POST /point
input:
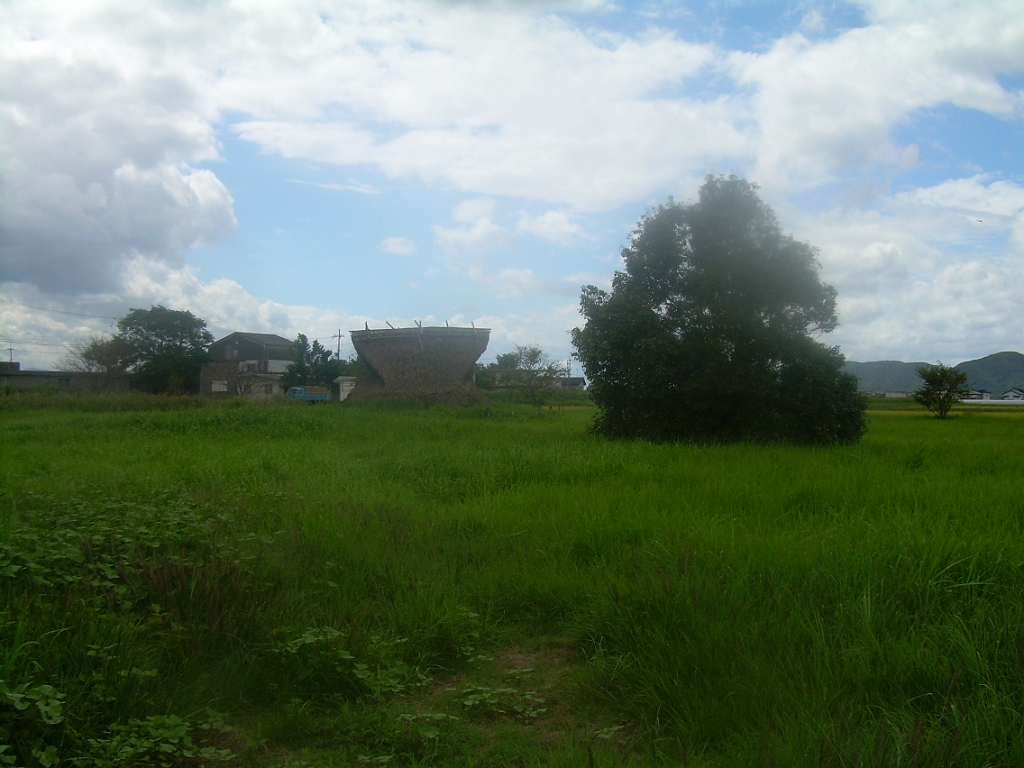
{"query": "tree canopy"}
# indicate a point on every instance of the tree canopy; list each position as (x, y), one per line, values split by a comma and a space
(164, 348)
(527, 368)
(709, 331)
(101, 354)
(533, 372)
(315, 365)
(941, 389)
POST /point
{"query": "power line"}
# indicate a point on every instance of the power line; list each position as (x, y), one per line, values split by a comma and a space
(62, 312)
(35, 342)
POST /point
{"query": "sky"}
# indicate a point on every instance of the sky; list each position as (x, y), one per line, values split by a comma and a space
(316, 166)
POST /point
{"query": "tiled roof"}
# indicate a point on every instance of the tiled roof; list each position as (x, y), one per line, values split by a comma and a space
(270, 339)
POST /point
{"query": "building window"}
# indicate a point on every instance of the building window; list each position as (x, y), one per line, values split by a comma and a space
(268, 389)
(63, 381)
(218, 386)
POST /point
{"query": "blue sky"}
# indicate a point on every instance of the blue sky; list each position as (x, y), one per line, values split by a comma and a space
(315, 165)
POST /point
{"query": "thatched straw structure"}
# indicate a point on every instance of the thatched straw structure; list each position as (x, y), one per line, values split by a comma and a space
(431, 365)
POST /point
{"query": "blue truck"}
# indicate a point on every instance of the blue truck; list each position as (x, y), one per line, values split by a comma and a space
(308, 394)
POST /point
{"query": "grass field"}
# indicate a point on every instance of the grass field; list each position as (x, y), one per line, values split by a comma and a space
(290, 585)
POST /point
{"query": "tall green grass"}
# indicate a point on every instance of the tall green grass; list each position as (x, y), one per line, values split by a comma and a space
(304, 571)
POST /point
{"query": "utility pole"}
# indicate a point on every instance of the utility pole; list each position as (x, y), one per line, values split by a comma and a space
(338, 337)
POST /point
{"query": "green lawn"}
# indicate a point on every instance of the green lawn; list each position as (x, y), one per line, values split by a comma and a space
(346, 585)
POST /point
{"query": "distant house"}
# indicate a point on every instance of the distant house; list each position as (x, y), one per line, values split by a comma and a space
(570, 382)
(11, 375)
(1014, 394)
(978, 394)
(247, 365)
(513, 377)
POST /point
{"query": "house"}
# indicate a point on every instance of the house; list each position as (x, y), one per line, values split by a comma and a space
(1014, 394)
(978, 394)
(247, 365)
(514, 377)
(570, 382)
(11, 375)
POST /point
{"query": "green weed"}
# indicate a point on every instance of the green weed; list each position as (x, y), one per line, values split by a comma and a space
(342, 584)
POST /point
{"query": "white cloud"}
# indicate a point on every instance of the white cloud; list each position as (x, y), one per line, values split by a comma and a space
(985, 211)
(509, 283)
(479, 238)
(492, 99)
(824, 106)
(921, 278)
(66, 238)
(110, 108)
(549, 328)
(1002, 199)
(478, 234)
(550, 225)
(100, 142)
(967, 310)
(812, 22)
(471, 211)
(398, 245)
(352, 186)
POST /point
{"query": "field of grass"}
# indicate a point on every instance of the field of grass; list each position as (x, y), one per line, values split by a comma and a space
(343, 585)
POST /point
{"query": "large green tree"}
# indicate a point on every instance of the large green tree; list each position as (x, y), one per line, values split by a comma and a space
(709, 332)
(164, 348)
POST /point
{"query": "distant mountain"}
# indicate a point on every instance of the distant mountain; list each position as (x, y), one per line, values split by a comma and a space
(886, 375)
(994, 373)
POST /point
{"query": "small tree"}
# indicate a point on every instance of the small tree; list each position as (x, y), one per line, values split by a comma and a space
(101, 354)
(533, 371)
(943, 387)
(487, 376)
(314, 365)
(509, 361)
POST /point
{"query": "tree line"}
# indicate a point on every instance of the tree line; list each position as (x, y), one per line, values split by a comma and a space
(164, 350)
(710, 332)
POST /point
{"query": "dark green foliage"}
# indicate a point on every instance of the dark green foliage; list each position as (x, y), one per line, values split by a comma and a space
(508, 361)
(707, 334)
(943, 387)
(314, 365)
(165, 349)
(533, 372)
(501, 370)
(528, 370)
